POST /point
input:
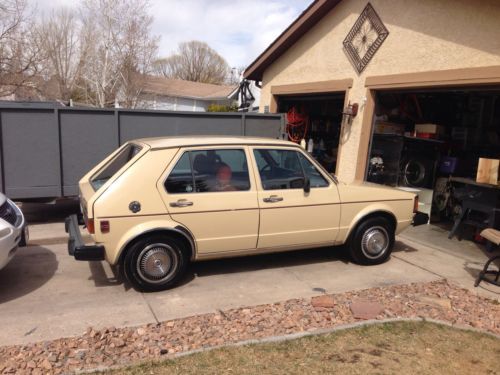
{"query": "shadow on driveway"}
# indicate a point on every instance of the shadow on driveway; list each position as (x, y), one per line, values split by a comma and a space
(31, 268)
(242, 264)
(269, 261)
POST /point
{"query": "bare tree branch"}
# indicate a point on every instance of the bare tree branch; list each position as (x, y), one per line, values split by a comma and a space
(64, 52)
(19, 56)
(121, 49)
(194, 61)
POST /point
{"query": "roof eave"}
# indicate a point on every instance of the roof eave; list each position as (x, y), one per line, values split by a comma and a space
(308, 18)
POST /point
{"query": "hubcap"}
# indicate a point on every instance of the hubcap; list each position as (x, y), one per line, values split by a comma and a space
(157, 263)
(375, 242)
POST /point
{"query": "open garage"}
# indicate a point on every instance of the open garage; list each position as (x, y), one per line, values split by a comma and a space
(421, 108)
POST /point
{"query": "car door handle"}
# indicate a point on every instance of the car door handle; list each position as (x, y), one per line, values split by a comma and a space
(181, 203)
(273, 199)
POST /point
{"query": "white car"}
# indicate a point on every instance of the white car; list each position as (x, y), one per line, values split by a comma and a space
(13, 230)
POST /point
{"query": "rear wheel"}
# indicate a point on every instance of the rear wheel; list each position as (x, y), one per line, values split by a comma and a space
(155, 263)
(372, 241)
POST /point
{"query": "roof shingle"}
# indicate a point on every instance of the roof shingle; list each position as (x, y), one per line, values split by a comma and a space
(185, 89)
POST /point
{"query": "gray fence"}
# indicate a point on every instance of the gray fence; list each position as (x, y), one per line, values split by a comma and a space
(45, 150)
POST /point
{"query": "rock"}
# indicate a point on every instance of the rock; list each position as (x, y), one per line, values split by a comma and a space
(46, 364)
(444, 303)
(323, 301)
(31, 364)
(73, 362)
(170, 324)
(141, 331)
(364, 309)
(119, 343)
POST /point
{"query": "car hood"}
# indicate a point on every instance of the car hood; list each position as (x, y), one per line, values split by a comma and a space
(361, 191)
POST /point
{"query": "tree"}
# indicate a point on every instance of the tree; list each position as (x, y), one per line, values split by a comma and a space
(194, 61)
(64, 51)
(19, 57)
(120, 49)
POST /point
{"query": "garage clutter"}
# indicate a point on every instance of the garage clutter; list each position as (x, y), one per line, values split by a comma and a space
(442, 144)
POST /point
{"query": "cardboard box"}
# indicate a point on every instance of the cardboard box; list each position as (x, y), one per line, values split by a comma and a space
(438, 130)
(383, 127)
(487, 171)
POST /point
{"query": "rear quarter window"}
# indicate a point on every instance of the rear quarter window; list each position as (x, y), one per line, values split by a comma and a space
(114, 165)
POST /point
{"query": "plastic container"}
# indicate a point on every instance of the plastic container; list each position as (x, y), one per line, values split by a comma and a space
(448, 165)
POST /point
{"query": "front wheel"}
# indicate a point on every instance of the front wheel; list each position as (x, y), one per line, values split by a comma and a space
(372, 241)
(155, 263)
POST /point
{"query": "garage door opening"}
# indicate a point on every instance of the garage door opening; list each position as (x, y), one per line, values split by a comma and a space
(316, 119)
(430, 142)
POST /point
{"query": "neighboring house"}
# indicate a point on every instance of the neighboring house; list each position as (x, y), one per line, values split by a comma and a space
(179, 95)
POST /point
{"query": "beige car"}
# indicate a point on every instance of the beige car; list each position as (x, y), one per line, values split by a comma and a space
(155, 205)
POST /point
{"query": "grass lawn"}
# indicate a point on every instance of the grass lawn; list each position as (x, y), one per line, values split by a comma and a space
(392, 348)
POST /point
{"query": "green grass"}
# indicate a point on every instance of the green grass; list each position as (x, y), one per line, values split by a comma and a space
(391, 348)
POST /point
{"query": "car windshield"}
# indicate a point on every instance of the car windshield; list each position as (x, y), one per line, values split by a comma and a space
(114, 165)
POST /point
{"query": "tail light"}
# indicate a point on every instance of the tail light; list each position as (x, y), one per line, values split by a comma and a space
(90, 226)
(415, 204)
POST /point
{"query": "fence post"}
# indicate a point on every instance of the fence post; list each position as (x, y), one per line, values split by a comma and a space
(117, 119)
(243, 124)
(59, 134)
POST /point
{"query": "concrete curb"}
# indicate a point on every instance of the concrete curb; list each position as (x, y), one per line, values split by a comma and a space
(292, 336)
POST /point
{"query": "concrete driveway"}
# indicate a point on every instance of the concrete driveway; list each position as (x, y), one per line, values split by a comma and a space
(45, 294)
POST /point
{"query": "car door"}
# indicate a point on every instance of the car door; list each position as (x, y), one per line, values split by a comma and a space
(290, 216)
(212, 192)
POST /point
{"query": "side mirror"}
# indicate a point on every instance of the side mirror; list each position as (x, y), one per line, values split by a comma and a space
(307, 185)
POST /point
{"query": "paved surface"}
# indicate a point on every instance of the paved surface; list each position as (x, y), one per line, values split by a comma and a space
(45, 294)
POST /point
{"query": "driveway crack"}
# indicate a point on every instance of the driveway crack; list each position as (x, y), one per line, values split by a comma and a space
(150, 308)
(416, 265)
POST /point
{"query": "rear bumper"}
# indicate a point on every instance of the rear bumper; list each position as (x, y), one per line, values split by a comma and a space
(76, 246)
(420, 218)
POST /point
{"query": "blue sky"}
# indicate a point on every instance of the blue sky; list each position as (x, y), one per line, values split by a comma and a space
(239, 30)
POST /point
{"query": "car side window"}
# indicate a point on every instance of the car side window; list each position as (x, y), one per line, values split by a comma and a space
(315, 177)
(279, 169)
(209, 171)
(180, 179)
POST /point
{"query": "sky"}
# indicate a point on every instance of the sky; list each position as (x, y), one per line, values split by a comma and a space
(238, 30)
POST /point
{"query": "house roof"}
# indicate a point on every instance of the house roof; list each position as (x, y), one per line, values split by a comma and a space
(307, 19)
(185, 89)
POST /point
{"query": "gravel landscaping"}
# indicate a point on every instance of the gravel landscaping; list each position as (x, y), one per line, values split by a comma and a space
(112, 346)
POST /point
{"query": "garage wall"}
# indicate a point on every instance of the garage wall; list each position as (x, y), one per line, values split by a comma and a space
(424, 35)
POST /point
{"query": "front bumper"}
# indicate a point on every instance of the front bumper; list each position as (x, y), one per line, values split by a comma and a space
(9, 242)
(420, 218)
(76, 246)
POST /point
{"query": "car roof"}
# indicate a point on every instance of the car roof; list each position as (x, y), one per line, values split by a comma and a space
(185, 141)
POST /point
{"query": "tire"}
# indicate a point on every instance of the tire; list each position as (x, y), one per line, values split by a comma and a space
(23, 242)
(372, 241)
(145, 261)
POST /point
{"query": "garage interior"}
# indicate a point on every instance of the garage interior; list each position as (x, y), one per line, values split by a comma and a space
(316, 119)
(430, 141)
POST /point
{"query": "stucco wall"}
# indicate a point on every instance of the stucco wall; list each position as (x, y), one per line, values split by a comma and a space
(424, 35)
